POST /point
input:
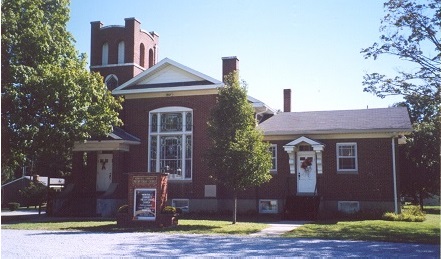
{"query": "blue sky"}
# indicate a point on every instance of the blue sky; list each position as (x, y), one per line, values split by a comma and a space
(311, 47)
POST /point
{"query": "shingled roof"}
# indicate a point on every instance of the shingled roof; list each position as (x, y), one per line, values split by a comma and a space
(394, 119)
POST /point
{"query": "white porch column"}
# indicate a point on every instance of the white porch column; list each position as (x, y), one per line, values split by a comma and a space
(318, 151)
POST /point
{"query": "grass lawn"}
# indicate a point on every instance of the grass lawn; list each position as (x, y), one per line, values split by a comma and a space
(374, 230)
(186, 226)
(427, 231)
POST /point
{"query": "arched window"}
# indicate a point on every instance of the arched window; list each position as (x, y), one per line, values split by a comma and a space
(151, 58)
(111, 82)
(170, 145)
(141, 55)
(105, 54)
(121, 52)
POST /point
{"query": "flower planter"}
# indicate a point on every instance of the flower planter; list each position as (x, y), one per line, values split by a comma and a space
(168, 220)
(122, 219)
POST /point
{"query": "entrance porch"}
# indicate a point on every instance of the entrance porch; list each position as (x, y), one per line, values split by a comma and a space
(305, 161)
(98, 185)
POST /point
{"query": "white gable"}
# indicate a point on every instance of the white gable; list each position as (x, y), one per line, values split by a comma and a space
(315, 144)
(169, 74)
(166, 76)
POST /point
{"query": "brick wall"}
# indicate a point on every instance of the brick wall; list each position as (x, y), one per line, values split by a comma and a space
(137, 123)
(374, 180)
(133, 37)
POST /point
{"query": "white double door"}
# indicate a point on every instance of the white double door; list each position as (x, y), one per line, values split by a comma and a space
(306, 172)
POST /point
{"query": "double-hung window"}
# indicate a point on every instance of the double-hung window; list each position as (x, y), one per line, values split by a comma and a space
(273, 151)
(347, 157)
(170, 145)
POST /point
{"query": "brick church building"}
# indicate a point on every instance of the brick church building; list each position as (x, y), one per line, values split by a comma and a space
(343, 160)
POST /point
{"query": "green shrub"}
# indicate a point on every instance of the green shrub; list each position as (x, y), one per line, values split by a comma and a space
(410, 214)
(13, 206)
(35, 194)
(123, 209)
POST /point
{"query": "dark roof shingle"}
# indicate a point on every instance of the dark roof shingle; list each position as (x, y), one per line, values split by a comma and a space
(338, 121)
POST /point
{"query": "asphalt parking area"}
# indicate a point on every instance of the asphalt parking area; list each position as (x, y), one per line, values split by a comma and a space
(55, 244)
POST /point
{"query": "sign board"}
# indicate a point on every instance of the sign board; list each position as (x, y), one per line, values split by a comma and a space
(144, 204)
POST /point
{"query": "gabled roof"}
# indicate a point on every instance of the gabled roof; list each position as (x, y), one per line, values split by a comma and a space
(394, 119)
(167, 75)
(120, 134)
(259, 106)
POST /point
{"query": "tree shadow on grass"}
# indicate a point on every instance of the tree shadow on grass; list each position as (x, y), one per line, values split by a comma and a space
(114, 228)
(345, 230)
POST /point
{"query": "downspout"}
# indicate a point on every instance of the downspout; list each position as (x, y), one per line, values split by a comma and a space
(394, 173)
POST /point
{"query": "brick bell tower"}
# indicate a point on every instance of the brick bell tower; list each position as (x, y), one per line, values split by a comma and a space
(119, 53)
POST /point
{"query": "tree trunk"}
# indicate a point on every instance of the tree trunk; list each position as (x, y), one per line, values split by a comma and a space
(235, 207)
(421, 201)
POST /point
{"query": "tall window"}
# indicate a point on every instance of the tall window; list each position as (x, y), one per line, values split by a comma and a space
(170, 147)
(141, 55)
(121, 51)
(273, 151)
(151, 58)
(105, 54)
(347, 157)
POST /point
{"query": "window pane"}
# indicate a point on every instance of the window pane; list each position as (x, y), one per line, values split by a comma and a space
(171, 154)
(346, 151)
(188, 121)
(171, 122)
(154, 122)
(273, 157)
(188, 154)
(347, 163)
(187, 169)
(153, 153)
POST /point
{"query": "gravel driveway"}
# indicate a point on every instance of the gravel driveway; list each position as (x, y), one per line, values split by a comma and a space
(73, 244)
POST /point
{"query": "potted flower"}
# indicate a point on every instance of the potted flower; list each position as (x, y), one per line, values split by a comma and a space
(169, 216)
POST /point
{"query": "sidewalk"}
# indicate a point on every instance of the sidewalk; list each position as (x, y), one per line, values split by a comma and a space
(22, 212)
(279, 228)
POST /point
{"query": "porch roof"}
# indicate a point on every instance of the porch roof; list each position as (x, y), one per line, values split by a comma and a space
(117, 140)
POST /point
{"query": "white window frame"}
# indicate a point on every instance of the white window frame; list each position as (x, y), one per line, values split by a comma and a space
(273, 157)
(268, 206)
(355, 156)
(185, 208)
(343, 206)
(183, 134)
(109, 77)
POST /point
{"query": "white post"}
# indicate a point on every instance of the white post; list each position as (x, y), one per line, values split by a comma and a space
(394, 172)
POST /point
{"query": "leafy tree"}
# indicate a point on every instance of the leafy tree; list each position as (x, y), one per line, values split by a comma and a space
(419, 162)
(49, 98)
(410, 32)
(238, 156)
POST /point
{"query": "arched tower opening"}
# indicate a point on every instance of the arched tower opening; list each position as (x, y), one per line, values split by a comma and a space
(121, 50)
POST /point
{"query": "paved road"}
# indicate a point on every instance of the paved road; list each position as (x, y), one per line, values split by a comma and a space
(74, 244)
